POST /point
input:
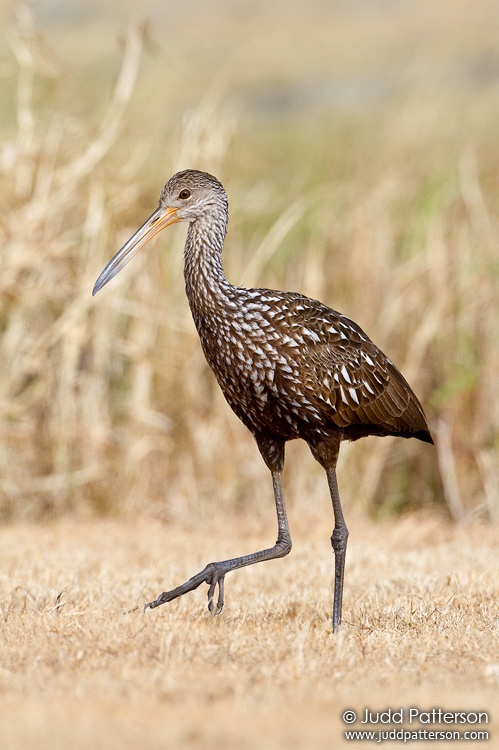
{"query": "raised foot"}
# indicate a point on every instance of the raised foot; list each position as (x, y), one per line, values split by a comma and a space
(213, 575)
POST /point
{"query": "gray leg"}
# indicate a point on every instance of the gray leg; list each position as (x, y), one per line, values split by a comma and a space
(339, 540)
(215, 572)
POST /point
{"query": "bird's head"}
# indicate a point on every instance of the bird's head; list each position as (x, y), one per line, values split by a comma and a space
(187, 196)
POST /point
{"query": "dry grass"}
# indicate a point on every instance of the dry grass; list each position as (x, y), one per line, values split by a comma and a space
(111, 398)
(80, 659)
(383, 208)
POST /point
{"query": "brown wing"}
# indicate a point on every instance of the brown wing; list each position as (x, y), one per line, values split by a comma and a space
(360, 387)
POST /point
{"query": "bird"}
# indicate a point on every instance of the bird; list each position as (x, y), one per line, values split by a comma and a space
(289, 367)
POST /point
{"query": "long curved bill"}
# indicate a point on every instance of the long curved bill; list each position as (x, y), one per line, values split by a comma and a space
(160, 219)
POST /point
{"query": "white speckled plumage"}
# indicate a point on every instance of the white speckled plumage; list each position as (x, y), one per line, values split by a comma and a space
(319, 365)
(289, 366)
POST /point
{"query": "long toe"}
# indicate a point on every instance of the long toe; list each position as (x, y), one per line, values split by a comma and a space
(217, 579)
(220, 602)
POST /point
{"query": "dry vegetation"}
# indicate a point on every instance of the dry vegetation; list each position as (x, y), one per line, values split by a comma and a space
(107, 407)
(80, 659)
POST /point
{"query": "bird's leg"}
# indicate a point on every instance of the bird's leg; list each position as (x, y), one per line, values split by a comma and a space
(339, 540)
(214, 573)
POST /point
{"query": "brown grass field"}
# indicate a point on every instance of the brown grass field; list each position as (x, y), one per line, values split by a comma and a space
(80, 661)
(358, 145)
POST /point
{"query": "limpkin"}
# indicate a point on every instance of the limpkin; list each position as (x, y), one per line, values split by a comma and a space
(289, 367)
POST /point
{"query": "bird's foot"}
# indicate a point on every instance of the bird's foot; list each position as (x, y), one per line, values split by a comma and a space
(211, 592)
(339, 541)
(213, 575)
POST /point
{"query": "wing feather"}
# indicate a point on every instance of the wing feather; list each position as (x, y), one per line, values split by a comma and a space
(357, 383)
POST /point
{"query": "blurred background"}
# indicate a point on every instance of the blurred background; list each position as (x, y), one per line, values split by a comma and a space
(358, 143)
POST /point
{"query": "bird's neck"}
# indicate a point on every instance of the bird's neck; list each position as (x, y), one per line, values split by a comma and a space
(205, 281)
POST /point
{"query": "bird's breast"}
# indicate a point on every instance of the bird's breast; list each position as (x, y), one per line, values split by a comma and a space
(260, 371)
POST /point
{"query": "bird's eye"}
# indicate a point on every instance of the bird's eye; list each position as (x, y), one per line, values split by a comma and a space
(184, 194)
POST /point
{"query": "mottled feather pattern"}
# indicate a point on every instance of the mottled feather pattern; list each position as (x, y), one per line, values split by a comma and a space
(289, 367)
(293, 365)
(288, 364)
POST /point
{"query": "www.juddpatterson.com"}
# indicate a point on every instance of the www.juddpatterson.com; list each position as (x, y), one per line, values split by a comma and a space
(431, 724)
